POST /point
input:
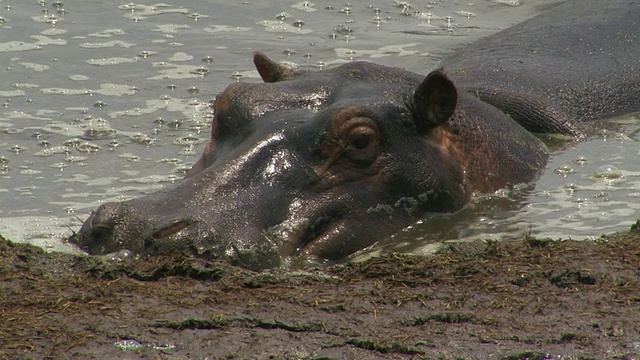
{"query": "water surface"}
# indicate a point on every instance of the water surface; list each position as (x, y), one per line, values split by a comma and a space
(109, 100)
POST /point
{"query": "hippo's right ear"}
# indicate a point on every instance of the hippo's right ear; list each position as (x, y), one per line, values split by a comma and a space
(434, 101)
(270, 71)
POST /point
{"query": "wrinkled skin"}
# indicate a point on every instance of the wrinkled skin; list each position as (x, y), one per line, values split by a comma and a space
(327, 163)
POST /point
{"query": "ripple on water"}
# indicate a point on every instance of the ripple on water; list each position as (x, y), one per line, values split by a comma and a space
(112, 61)
(280, 27)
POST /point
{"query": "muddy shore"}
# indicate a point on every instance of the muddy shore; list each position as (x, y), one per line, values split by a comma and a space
(526, 299)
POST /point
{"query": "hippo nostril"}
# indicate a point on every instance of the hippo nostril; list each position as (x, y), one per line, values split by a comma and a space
(170, 229)
(106, 216)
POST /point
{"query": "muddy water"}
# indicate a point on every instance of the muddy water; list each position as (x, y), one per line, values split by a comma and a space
(109, 100)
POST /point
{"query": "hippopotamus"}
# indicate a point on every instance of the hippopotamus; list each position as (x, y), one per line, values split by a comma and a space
(322, 164)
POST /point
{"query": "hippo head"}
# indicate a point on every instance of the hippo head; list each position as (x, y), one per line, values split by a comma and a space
(317, 164)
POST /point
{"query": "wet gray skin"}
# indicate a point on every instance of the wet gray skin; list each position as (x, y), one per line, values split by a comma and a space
(326, 163)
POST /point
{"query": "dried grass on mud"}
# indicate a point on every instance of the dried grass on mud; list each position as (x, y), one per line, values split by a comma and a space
(528, 299)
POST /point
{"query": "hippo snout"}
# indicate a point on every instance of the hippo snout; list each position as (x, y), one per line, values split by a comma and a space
(155, 225)
(98, 230)
(103, 231)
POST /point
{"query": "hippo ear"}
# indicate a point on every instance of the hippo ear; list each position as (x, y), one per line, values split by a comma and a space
(270, 71)
(434, 101)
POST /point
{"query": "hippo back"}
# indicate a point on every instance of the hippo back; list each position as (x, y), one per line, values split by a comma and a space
(553, 72)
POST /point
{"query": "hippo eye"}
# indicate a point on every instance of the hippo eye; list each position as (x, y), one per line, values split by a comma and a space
(361, 137)
(362, 143)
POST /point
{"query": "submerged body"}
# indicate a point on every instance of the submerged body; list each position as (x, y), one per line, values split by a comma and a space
(327, 163)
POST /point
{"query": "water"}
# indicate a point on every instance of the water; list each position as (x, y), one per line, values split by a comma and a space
(109, 100)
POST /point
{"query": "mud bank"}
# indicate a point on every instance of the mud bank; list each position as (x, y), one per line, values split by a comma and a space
(527, 299)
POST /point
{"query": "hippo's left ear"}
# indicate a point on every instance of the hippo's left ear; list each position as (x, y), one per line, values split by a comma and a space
(270, 71)
(434, 101)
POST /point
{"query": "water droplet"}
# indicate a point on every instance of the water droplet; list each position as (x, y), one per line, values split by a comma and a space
(283, 16)
(88, 147)
(194, 16)
(608, 172)
(53, 151)
(72, 142)
(59, 165)
(144, 139)
(133, 158)
(187, 140)
(571, 188)
(182, 169)
(563, 170)
(580, 160)
(329, 7)
(298, 23)
(145, 54)
(170, 161)
(100, 104)
(508, 2)
(75, 159)
(602, 195)
(346, 10)
(377, 20)
(236, 76)
(289, 52)
(16, 149)
(207, 59)
(343, 30)
(201, 71)
(118, 256)
(466, 14)
(94, 134)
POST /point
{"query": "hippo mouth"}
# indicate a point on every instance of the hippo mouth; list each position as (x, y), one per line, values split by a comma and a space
(308, 236)
(170, 228)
